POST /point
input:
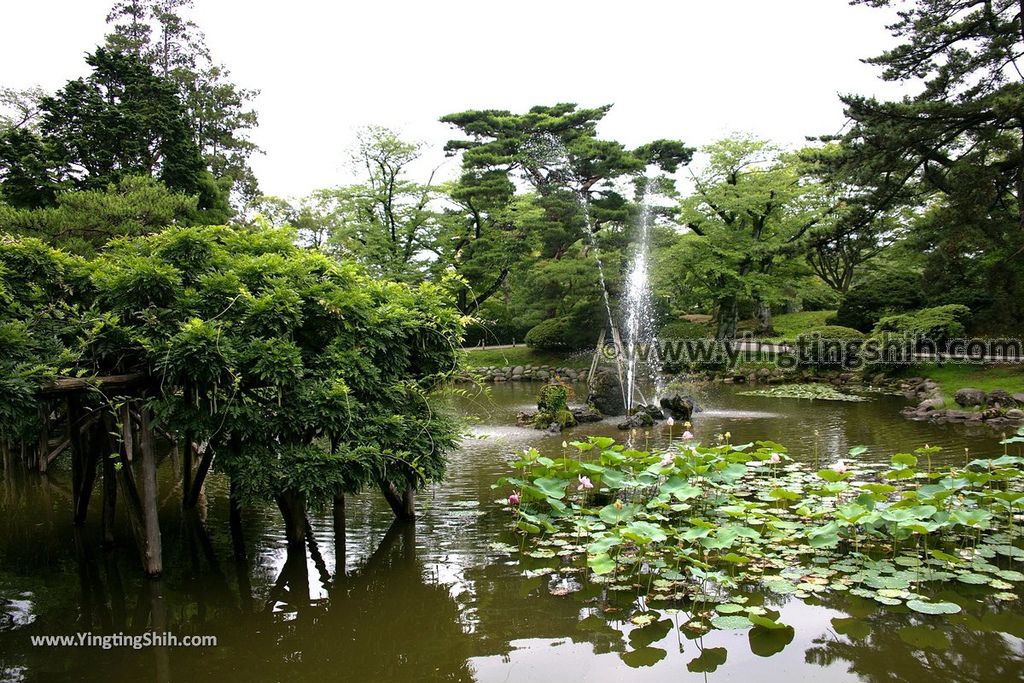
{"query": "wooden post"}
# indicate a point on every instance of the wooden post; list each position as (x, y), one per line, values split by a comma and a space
(109, 499)
(153, 553)
(43, 445)
(129, 492)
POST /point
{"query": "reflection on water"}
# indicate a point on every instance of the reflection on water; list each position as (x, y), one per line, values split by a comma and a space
(367, 600)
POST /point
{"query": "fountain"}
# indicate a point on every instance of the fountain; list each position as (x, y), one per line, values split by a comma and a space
(642, 362)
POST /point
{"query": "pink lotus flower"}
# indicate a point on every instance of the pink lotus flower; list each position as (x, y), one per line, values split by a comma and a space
(513, 500)
(670, 421)
(585, 483)
(838, 466)
(667, 460)
(687, 434)
(775, 459)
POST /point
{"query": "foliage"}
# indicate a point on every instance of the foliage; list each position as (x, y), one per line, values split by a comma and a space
(701, 526)
(938, 324)
(884, 293)
(301, 373)
(951, 150)
(160, 35)
(561, 334)
(820, 392)
(749, 211)
(83, 222)
(40, 323)
(553, 406)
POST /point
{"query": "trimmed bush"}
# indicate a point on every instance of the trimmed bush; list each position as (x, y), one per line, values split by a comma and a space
(879, 296)
(826, 346)
(560, 334)
(939, 324)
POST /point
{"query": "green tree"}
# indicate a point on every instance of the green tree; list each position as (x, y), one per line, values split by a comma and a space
(84, 221)
(748, 214)
(574, 185)
(219, 111)
(957, 145)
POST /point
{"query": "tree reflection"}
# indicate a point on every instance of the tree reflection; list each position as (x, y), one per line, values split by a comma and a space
(895, 646)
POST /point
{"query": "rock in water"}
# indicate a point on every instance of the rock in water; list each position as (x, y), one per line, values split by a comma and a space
(970, 397)
(606, 393)
(679, 406)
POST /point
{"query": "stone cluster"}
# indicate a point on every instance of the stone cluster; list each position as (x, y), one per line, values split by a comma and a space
(524, 373)
(996, 407)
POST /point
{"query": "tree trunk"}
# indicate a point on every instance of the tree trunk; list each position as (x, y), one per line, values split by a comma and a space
(293, 509)
(728, 314)
(340, 541)
(402, 503)
(764, 319)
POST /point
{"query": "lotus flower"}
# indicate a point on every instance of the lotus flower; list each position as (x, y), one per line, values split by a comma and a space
(687, 435)
(775, 459)
(565, 444)
(670, 421)
(667, 460)
(585, 483)
(838, 466)
(513, 500)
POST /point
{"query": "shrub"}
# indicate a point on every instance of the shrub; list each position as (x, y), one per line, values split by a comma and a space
(560, 334)
(683, 329)
(938, 324)
(830, 346)
(881, 295)
(553, 406)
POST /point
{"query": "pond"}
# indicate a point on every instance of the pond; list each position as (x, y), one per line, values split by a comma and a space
(433, 601)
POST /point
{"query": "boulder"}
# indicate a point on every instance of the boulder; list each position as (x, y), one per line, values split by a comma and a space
(586, 414)
(605, 393)
(637, 421)
(1001, 399)
(1015, 414)
(929, 405)
(970, 397)
(679, 406)
(1019, 398)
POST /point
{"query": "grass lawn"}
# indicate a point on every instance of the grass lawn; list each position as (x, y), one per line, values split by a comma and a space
(953, 376)
(523, 355)
(788, 326)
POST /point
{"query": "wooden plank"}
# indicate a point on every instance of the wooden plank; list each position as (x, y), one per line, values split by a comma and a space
(66, 385)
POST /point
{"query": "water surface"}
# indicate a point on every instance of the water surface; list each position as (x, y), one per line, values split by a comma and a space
(432, 601)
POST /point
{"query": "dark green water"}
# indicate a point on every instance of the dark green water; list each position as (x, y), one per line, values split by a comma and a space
(432, 602)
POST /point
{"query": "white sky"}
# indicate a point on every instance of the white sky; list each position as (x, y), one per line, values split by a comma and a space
(694, 70)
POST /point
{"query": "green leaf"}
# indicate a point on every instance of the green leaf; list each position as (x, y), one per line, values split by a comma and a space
(933, 607)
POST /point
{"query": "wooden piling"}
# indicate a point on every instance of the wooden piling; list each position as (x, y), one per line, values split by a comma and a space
(152, 551)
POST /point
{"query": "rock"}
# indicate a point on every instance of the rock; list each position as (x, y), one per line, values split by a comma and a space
(1015, 414)
(991, 414)
(969, 397)
(554, 428)
(518, 370)
(1001, 399)
(1019, 398)
(637, 421)
(605, 393)
(929, 405)
(586, 414)
(679, 406)
(542, 375)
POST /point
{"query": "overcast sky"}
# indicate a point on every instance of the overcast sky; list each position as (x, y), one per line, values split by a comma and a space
(694, 70)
